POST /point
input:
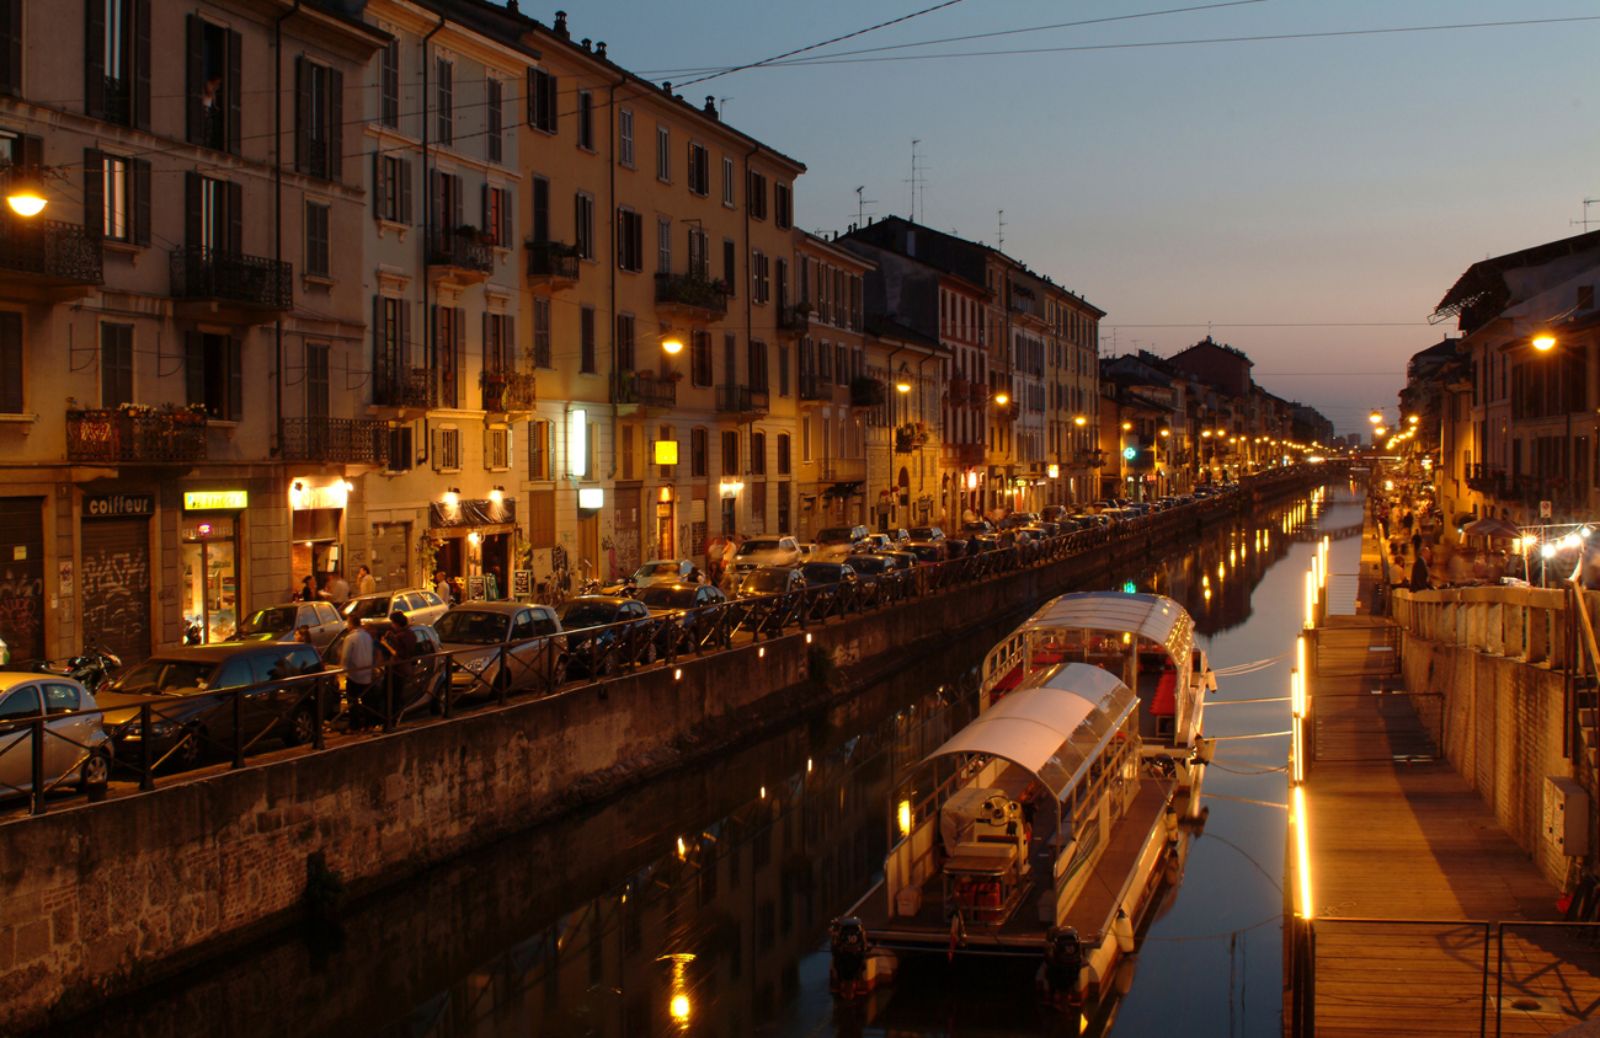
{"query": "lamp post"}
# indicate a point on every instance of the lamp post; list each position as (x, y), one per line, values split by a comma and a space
(25, 196)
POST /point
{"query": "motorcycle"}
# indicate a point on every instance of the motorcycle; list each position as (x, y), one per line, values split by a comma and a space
(90, 670)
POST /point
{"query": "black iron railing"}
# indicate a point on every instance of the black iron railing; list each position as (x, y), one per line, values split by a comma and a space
(253, 281)
(49, 248)
(505, 391)
(742, 400)
(456, 249)
(112, 436)
(552, 260)
(355, 441)
(404, 387)
(795, 318)
(646, 390)
(693, 292)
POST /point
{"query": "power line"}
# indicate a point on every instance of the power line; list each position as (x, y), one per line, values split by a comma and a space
(1278, 324)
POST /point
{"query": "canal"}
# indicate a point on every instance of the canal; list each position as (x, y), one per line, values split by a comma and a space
(698, 904)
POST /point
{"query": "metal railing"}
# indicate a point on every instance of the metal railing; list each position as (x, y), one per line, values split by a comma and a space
(796, 318)
(645, 389)
(403, 387)
(692, 291)
(742, 400)
(113, 436)
(552, 260)
(814, 387)
(50, 249)
(358, 441)
(506, 391)
(235, 724)
(254, 281)
(464, 251)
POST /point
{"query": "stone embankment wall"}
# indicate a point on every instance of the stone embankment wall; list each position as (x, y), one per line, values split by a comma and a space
(1495, 660)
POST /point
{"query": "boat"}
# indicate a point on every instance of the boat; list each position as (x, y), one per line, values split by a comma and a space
(1049, 827)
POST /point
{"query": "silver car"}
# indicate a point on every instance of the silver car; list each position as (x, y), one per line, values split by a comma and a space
(76, 747)
(420, 605)
(663, 571)
(766, 551)
(278, 623)
(497, 646)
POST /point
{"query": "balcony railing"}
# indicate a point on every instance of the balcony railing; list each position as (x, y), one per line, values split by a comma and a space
(115, 436)
(552, 261)
(742, 400)
(404, 387)
(866, 392)
(692, 292)
(507, 391)
(232, 277)
(795, 318)
(646, 390)
(463, 251)
(354, 441)
(51, 249)
(813, 387)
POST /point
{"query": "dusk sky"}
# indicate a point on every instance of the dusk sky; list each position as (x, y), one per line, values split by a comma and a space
(1318, 182)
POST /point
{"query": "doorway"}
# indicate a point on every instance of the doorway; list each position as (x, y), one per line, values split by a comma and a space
(665, 548)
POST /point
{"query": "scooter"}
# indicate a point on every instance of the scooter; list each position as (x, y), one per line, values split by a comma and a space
(90, 670)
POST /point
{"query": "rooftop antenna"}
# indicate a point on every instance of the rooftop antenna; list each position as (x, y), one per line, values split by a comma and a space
(722, 108)
(861, 206)
(1587, 202)
(918, 184)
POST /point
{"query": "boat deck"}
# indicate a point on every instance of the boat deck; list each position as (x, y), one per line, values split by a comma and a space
(1092, 911)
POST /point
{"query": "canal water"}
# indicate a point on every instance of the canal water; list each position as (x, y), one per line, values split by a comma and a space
(699, 903)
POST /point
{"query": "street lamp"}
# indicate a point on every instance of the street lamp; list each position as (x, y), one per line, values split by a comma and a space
(1002, 399)
(1376, 417)
(1544, 343)
(1414, 419)
(902, 380)
(25, 197)
(1080, 421)
(672, 345)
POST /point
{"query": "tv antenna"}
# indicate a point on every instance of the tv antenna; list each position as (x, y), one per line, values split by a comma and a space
(1000, 218)
(861, 206)
(1586, 221)
(722, 108)
(917, 181)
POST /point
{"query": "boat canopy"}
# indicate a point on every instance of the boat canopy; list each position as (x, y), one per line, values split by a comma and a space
(1155, 617)
(1053, 726)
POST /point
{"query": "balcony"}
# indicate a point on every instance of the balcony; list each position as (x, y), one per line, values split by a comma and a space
(405, 389)
(460, 255)
(965, 455)
(743, 401)
(645, 391)
(815, 389)
(349, 441)
(867, 392)
(249, 288)
(49, 253)
(552, 264)
(691, 296)
(795, 319)
(909, 437)
(137, 436)
(507, 392)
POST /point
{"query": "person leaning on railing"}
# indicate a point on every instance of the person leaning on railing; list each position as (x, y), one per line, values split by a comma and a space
(356, 657)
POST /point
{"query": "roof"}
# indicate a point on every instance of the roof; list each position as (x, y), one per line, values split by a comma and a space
(1481, 291)
(1053, 727)
(887, 328)
(1155, 617)
(1208, 341)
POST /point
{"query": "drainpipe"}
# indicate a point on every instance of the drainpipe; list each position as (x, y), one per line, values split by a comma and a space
(277, 214)
(427, 233)
(611, 222)
(749, 302)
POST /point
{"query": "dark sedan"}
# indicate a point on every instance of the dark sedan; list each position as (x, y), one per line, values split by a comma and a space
(836, 582)
(693, 609)
(765, 596)
(605, 632)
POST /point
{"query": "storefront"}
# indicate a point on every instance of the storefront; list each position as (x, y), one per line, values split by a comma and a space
(317, 528)
(475, 540)
(115, 577)
(209, 591)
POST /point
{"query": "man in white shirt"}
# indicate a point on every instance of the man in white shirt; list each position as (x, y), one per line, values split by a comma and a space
(355, 656)
(441, 587)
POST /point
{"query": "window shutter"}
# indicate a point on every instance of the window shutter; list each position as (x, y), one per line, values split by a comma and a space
(94, 205)
(194, 78)
(380, 186)
(383, 366)
(11, 46)
(458, 342)
(302, 114)
(94, 50)
(139, 170)
(484, 223)
(532, 96)
(405, 189)
(235, 241)
(541, 210)
(405, 337)
(235, 378)
(335, 168)
(434, 213)
(32, 153)
(235, 88)
(488, 352)
(505, 218)
(191, 210)
(194, 367)
(458, 209)
(550, 105)
(141, 64)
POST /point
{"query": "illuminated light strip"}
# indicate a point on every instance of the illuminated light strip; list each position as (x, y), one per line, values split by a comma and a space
(1302, 843)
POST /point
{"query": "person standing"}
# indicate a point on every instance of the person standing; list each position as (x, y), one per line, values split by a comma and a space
(366, 584)
(441, 587)
(729, 551)
(714, 549)
(307, 592)
(336, 590)
(356, 657)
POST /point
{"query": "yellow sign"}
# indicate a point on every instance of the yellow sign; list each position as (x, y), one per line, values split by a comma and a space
(216, 500)
(666, 452)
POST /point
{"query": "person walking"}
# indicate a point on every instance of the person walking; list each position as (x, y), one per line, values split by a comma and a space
(356, 657)
(366, 584)
(336, 590)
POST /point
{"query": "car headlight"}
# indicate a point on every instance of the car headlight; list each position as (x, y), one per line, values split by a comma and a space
(158, 729)
(476, 664)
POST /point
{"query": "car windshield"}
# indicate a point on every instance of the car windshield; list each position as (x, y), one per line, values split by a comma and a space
(751, 547)
(587, 614)
(277, 620)
(656, 569)
(667, 597)
(922, 533)
(869, 564)
(471, 627)
(368, 608)
(821, 572)
(169, 677)
(836, 535)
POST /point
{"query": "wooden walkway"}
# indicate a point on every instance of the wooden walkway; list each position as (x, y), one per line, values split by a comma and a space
(1405, 856)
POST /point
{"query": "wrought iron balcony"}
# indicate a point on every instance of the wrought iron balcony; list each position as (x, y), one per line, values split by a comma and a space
(867, 392)
(50, 251)
(909, 437)
(795, 319)
(461, 253)
(508, 391)
(742, 400)
(354, 441)
(645, 389)
(813, 388)
(691, 295)
(144, 436)
(552, 263)
(404, 387)
(251, 283)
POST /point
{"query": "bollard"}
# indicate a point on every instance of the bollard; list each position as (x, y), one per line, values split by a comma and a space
(36, 765)
(147, 778)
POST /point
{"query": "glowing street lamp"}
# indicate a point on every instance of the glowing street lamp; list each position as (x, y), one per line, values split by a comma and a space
(1002, 399)
(1080, 421)
(672, 345)
(1414, 419)
(1544, 343)
(25, 197)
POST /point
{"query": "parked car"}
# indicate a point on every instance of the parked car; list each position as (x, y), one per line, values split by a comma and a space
(604, 632)
(876, 577)
(497, 646)
(976, 527)
(929, 552)
(1054, 513)
(808, 551)
(421, 606)
(927, 533)
(423, 679)
(693, 620)
(278, 623)
(191, 693)
(836, 543)
(766, 551)
(663, 571)
(837, 581)
(76, 747)
(760, 595)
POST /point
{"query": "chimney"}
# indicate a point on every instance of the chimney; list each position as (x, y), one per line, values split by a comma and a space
(511, 5)
(666, 87)
(561, 25)
(586, 43)
(600, 49)
(711, 106)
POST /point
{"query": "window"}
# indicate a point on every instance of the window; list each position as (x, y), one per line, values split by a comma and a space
(496, 448)
(445, 205)
(213, 214)
(391, 193)
(319, 113)
(756, 377)
(783, 454)
(586, 120)
(444, 100)
(493, 98)
(444, 355)
(781, 275)
(783, 369)
(783, 505)
(628, 450)
(213, 85)
(699, 260)
(499, 343)
(665, 433)
(317, 240)
(116, 364)
(664, 244)
(697, 452)
(447, 449)
(400, 455)
(756, 189)
(586, 340)
(116, 196)
(541, 333)
(630, 240)
(699, 170)
(625, 349)
(117, 65)
(316, 380)
(10, 362)
(762, 281)
(542, 100)
(625, 136)
(700, 358)
(389, 85)
(663, 153)
(539, 450)
(782, 205)
(213, 374)
(497, 216)
(11, 47)
(583, 226)
(729, 263)
(758, 454)
(805, 438)
(727, 181)
(730, 453)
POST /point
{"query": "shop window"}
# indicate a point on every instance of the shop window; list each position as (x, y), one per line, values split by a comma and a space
(209, 590)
